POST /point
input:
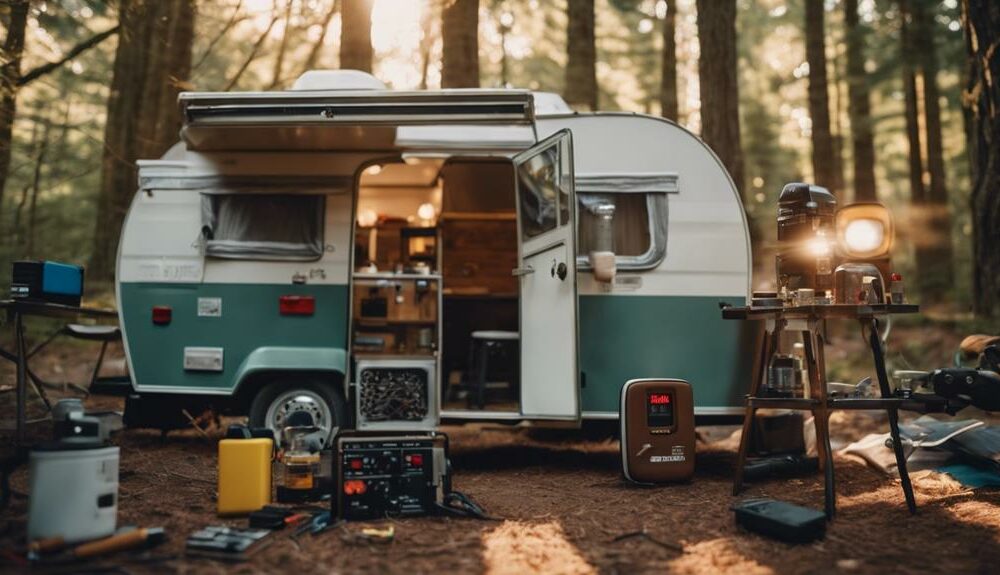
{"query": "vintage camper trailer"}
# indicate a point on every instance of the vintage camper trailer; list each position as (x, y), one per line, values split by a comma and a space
(387, 259)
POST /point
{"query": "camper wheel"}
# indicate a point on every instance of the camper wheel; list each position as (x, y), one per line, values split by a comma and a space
(277, 401)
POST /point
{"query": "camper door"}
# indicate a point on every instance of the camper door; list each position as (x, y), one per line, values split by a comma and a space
(546, 213)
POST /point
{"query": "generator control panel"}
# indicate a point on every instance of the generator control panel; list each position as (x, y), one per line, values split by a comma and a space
(657, 430)
(388, 476)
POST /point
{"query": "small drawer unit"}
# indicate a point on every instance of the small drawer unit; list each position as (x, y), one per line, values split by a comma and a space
(397, 394)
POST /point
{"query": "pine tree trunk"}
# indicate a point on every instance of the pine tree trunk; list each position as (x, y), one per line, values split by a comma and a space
(916, 165)
(356, 35)
(720, 118)
(152, 65)
(668, 67)
(981, 19)
(36, 189)
(580, 91)
(836, 124)
(823, 161)
(927, 275)
(460, 44)
(938, 267)
(859, 107)
(10, 73)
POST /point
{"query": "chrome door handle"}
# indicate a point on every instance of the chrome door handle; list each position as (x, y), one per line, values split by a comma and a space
(522, 271)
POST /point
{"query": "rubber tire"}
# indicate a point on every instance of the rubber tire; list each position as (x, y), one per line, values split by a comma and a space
(271, 391)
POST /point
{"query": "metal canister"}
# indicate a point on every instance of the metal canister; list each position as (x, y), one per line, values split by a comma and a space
(850, 286)
(781, 375)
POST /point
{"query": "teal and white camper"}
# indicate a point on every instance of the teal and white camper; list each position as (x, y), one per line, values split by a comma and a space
(387, 259)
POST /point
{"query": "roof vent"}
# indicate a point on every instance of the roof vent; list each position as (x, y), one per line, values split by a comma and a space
(337, 80)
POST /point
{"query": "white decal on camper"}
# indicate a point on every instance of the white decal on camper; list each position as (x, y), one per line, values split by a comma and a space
(158, 271)
(627, 282)
(210, 307)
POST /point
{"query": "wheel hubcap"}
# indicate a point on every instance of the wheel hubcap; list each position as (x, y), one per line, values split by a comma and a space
(299, 401)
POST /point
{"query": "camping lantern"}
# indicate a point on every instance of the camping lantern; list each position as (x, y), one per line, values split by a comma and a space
(865, 234)
(806, 231)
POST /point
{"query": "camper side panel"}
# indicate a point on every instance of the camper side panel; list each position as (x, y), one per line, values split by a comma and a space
(222, 306)
(664, 321)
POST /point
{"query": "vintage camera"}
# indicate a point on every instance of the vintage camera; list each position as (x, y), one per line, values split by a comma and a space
(806, 231)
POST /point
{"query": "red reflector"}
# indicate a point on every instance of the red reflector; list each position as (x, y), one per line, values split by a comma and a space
(297, 305)
(162, 314)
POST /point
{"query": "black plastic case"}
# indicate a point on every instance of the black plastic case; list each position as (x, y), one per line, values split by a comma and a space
(781, 520)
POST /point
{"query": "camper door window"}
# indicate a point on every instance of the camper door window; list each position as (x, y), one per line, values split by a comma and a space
(263, 226)
(539, 194)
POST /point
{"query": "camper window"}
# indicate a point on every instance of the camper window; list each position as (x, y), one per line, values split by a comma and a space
(537, 180)
(638, 229)
(263, 226)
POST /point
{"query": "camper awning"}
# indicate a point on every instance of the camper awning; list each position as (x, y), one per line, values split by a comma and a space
(336, 120)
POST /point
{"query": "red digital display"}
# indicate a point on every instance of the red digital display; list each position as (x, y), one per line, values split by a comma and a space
(659, 398)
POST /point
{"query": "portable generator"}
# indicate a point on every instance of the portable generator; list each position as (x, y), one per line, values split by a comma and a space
(49, 282)
(382, 476)
(657, 428)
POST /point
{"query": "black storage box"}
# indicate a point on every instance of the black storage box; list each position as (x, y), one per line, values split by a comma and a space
(47, 282)
(781, 520)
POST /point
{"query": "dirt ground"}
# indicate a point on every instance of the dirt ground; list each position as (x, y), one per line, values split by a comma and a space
(559, 504)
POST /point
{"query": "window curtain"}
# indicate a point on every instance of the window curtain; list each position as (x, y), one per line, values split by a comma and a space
(263, 226)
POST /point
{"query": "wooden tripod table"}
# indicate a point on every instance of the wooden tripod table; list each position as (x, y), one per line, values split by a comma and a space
(808, 320)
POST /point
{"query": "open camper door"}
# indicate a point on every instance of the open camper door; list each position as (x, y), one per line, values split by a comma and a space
(546, 213)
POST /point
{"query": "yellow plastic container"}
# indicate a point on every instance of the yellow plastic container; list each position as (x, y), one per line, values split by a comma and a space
(244, 475)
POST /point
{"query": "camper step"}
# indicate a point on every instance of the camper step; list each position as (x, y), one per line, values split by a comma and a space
(117, 386)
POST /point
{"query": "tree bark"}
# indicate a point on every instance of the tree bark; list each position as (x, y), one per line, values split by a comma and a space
(580, 91)
(918, 193)
(668, 66)
(10, 74)
(859, 107)
(823, 161)
(36, 185)
(720, 118)
(916, 165)
(938, 267)
(356, 35)
(460, 44)
(981, 20)
(152, 65)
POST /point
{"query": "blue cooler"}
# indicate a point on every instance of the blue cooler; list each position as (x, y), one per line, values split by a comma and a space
(49, 282)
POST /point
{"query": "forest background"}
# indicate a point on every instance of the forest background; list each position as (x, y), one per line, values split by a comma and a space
(887, 100)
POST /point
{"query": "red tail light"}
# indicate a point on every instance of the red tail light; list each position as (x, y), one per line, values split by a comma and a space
(162, 314)
(297, 305)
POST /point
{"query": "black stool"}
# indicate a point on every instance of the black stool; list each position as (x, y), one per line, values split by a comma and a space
(487, 344)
